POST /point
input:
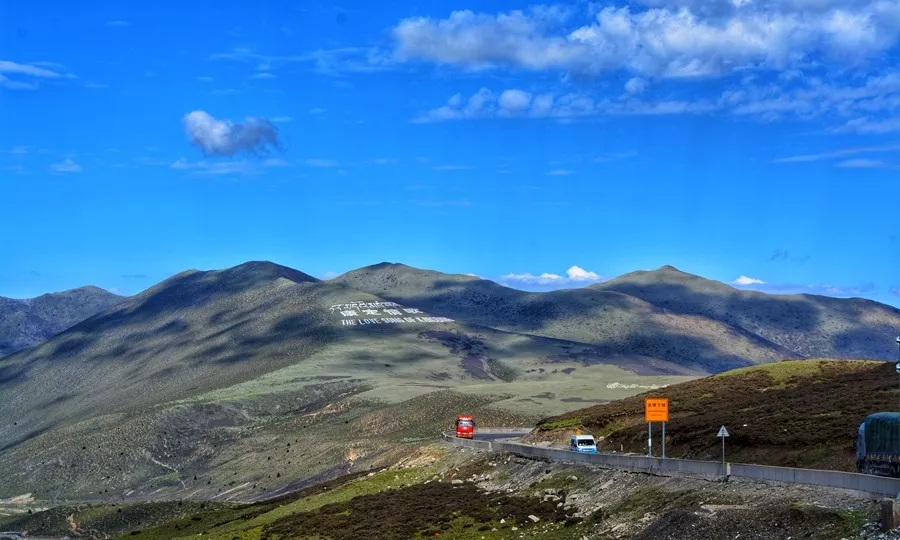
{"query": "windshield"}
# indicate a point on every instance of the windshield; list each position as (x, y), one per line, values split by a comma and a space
(586, 442)
(465, 423)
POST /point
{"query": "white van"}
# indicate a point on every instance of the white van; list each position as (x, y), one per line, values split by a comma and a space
(583, 443)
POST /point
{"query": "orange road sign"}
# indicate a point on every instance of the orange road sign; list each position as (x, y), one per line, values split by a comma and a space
(656, 409)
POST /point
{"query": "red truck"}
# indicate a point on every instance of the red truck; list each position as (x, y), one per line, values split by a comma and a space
(465, 427)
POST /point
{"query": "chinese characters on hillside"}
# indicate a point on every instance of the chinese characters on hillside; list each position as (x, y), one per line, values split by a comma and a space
(362, 313)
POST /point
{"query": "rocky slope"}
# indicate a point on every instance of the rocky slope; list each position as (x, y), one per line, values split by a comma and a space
(24, 323)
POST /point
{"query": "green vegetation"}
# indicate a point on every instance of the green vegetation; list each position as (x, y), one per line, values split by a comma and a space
(562, 424)
(198, 385)
(564, 481)
(791, 371)
(657, 499)
(500, 370)
(194, 380)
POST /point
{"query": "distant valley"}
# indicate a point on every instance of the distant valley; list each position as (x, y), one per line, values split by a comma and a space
(187, 389)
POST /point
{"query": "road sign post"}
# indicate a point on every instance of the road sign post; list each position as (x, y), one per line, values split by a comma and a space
(723, 433)
(656, 410)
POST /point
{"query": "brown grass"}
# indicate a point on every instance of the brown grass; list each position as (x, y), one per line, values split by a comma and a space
(800, 415)
(425, 509)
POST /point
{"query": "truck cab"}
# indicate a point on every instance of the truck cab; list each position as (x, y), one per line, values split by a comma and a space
(465, 427)
(584, 444)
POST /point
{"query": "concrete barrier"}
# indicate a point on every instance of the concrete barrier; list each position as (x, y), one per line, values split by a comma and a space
(864, 483)
(652, 465)
(867, 483)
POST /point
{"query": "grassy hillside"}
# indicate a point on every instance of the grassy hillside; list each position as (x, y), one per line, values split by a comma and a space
(801, 413)
(239, 382)
(607, 323)
(24, 323)
(664, 314)
(455, 494)
(807, 325)
(184, 388)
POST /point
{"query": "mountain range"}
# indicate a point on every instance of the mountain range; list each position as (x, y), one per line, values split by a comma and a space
(195, 377)
(26, 322)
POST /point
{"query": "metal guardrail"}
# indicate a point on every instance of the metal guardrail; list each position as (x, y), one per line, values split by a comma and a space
(865, 483)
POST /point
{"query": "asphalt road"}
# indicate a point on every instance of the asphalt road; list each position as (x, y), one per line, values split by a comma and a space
(496, 435)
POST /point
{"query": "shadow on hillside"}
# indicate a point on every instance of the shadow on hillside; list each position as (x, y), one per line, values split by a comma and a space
(13, 372)
(531, 313)
(875, 342)
(191, 291)
(737, 308)
(791, 325)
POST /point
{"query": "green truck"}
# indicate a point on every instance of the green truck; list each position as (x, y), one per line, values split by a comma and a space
(878, 445)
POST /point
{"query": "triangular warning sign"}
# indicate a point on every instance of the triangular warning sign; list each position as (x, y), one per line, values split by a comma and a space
(722, 432)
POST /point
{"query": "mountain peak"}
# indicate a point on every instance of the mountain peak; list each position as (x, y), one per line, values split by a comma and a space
(267, 270)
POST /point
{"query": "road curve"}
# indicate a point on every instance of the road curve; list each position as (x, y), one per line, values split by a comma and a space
(496, 434)
(491, 435)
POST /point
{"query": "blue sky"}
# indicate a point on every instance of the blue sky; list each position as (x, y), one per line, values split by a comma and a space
(541, 146)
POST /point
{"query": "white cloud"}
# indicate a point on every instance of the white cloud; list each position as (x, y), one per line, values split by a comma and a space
(576, 273)
(560, 172)
(32, 70)
(744, 280)
(384, 161)
(66, 166)
(529, 279)
(17, 169)
(635, 85)
(317, 111)
(869, 126)
(320, 163)
(895, 291)
(223, 138)
(862, 163)
(329, 275)
(263, 75)
(861, 104)
(224, 168)
(575, 277)
(514, 100)
(614, 156)
(486, 104)
(672, 38)
(18, 76)
(828, 57)
(117, 23)
(841, 152)
(322, 61)
(822, 290)
(452, 168)
(282, 119)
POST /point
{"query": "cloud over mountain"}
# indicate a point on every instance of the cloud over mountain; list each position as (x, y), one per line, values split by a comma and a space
(575, 277)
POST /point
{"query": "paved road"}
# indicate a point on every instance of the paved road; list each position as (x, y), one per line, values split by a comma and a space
(488, 434)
